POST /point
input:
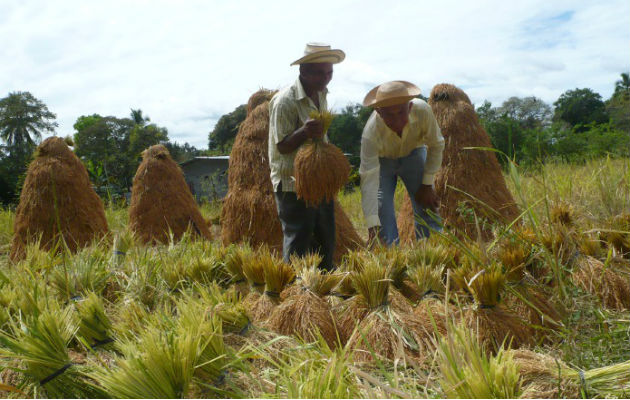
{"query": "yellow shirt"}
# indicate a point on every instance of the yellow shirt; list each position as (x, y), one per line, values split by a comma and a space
(378, 140)
(288, 110)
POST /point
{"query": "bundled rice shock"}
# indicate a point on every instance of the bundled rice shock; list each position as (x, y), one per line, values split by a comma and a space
(494, 325)
(233, 261)
(432, 310)
(612, 287)
(382, 330)
(320, 168)
(305, 312)
(162, 206)
(546, 377)
(618, 236)
(58, 207)
(277, 275)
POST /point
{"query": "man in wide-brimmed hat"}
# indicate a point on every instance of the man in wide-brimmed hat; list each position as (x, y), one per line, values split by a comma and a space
(305, 229)
(400, 139)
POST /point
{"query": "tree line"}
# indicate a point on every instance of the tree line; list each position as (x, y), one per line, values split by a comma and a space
(579, 125)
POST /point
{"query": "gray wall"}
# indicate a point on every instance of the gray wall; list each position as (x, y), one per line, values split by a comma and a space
(206, 178)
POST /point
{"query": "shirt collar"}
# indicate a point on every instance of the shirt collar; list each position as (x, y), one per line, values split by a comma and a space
(300, 93)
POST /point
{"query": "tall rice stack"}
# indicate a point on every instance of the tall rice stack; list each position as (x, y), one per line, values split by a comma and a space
(465, 172)
(161, 202)
(249, 210)
(57, 203)
(604, 281)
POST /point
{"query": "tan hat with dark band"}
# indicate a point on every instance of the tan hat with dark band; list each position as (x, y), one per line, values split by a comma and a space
(320, 53)
(391, 94)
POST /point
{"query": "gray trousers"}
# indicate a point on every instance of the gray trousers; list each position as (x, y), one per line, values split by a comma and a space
(306, 229)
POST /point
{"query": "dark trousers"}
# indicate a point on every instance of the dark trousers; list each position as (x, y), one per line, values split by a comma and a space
(306, 229)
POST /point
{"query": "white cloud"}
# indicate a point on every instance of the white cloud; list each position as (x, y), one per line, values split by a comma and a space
(186, 63)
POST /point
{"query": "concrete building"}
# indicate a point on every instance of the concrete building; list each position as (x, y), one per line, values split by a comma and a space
(207, 177)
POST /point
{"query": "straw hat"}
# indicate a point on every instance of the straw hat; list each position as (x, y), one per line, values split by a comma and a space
(320, 53)
(391, 94)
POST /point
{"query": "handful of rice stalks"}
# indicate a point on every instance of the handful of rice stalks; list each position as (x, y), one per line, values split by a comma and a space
(544, 376)
(610, 286)
(320, 168)
(94, 325)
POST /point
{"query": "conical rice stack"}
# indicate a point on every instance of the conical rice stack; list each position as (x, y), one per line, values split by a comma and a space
(57, 202)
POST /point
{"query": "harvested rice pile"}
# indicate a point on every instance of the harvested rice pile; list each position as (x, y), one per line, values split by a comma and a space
(249, 210)
(57, 202)
(612, 287)
(464, 172)
(161, 202)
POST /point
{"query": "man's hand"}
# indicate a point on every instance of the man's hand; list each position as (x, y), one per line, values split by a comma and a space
(427, 198)
(374, 236)
(314, 128)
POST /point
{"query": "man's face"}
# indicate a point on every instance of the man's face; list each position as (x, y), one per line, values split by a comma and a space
(316, 76)
(395, 117)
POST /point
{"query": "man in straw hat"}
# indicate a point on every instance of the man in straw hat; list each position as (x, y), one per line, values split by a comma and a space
(305, 229)
(400, 139)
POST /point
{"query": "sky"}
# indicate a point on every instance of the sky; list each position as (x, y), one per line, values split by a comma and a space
(186, 63)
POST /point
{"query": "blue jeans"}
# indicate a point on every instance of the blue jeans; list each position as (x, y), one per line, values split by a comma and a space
(410, 169)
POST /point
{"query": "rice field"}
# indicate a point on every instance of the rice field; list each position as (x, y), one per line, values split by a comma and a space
(542, 311)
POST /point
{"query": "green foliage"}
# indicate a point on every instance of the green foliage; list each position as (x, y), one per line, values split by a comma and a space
(580, 107)
(224, 132)
(346, 129)
(23, 119)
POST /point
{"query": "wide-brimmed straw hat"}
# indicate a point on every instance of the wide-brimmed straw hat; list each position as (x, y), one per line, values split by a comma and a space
(391, 94)
(320, 53)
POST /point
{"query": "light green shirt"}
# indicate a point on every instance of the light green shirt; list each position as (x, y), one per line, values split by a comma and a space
(288, 110)
(378, 140)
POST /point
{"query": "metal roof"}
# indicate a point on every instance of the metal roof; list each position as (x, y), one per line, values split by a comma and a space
(205, 158)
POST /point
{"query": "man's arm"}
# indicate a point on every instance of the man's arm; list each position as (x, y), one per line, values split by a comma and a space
(426, 196)
(369, 172)
(312, 128)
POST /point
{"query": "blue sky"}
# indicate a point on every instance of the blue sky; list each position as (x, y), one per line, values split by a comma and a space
(186, 63)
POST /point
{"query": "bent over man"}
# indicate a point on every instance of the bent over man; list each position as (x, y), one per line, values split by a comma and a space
(305, 229)
(400, 139)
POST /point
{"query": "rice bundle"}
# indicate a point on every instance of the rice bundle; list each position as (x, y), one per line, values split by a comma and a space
(469, 372)
(546, 377)
(94, 325)
(162, 208)
(383, 331)
(277, 275)
(618, 236)
(320, 168)
(494, 325)
(233, 261)
(57, 203)
(610, 286)
(249, 213)
(469, 178)
(431, 309)
(306, 313)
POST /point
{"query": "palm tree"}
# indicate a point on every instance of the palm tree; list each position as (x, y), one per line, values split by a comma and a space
(138, 118)
(622, 86)
(23, 118)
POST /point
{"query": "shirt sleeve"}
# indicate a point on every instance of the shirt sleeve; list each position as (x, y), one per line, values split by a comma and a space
(369, 171)
(435, 147)
(282, 118)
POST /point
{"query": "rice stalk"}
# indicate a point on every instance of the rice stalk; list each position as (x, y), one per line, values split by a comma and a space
(94, 325)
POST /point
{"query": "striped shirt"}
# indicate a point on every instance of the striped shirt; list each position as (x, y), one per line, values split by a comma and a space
(380, 141)
(288, 110)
